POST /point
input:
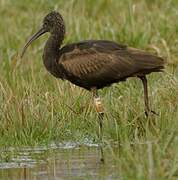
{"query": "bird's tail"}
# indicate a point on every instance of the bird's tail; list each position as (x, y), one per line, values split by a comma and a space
(147, 62)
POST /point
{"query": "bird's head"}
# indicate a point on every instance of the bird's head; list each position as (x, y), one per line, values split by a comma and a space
(53, 22)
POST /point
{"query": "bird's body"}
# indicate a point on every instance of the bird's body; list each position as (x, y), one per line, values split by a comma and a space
(99, 63)
(94, 64)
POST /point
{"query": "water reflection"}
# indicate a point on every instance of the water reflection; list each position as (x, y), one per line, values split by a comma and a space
(69, 161)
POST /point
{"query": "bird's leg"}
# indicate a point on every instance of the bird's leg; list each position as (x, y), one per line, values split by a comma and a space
(145, 86)
(100, 110)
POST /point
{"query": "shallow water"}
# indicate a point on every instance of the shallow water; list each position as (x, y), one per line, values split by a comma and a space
(62, 161)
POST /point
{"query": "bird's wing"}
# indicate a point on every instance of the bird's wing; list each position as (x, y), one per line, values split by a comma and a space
(105, 59)
(97, 60)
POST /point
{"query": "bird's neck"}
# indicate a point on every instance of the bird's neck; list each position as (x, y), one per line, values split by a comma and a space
(53, 44)
(51, 52)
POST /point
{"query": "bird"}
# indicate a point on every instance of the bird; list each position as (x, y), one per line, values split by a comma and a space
(94, 64)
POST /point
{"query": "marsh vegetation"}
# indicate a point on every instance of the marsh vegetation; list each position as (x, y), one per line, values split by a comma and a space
(37, 109)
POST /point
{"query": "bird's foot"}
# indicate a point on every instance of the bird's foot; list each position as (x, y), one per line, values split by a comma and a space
(147, 113)
(151, 117)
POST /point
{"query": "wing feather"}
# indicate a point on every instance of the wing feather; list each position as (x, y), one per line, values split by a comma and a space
(104, 61)
(99, 66)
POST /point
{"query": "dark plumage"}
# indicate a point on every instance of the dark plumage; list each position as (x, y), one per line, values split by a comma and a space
(99, 63)
(93, 64)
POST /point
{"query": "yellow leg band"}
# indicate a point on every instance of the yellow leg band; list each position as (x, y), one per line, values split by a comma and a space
(98, 105)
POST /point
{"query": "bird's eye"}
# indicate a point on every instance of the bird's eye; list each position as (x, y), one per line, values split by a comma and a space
(45, 23)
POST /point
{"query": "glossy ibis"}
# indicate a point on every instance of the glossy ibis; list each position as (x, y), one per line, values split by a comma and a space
(93, 64)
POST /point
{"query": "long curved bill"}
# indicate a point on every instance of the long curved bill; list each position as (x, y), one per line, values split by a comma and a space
(31, 39)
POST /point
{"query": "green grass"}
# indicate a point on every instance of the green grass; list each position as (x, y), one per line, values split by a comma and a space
(36, 108)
